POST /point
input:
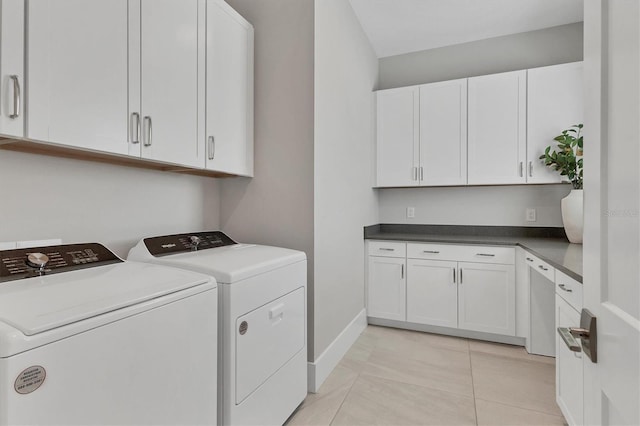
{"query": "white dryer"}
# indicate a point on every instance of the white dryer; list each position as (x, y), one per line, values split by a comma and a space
(262, 348)
(88, 339)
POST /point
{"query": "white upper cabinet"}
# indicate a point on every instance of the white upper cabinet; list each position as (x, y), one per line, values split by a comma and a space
(12, 67)
(554, 103)
(78, 73)
(397, 153)
(497, 128)
(443, 133)
(229, 93)
(172, 83)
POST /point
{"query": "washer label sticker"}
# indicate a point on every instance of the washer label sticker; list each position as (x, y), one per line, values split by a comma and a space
(30, 379)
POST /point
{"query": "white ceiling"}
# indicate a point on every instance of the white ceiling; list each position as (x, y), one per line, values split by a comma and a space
(401, 26)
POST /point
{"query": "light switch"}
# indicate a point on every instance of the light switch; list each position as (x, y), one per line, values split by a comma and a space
(411, 212)
(531, 215)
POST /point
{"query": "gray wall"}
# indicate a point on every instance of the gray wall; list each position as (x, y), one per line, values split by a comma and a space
(46, 197)
(549, 46)
(343, 154)
(498, 205)
(276, 206)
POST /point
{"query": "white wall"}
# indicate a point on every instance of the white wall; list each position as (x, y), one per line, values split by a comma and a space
(498, 205)
(276, 206)
(549, 46)
(46, 197)
(482, 205)
(346, 72)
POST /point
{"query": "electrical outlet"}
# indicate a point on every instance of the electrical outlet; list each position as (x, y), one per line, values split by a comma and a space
(411, 212)
(530, 215)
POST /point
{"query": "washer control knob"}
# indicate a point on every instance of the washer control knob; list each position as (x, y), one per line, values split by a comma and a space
(38, 260)
(194, 242)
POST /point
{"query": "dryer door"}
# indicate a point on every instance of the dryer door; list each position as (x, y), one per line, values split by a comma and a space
(266, 338)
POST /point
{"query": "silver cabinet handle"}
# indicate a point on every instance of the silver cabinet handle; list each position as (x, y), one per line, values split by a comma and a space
(402, 271)
(460, 275)
(543, 268)
(212, 147)
(530, 168)
(521, 169)
(529, 259)
(386, 249)
(135, 127)
(564, 287)
(421, 173)
(431, 251)
(16, 97)
(485, 254)
(148, 140)
(454, 274)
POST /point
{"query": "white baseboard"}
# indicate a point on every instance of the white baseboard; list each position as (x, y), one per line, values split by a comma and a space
(319, 370)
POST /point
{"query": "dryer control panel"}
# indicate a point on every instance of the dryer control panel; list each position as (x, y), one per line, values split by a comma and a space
(37, 261)
(178, 243)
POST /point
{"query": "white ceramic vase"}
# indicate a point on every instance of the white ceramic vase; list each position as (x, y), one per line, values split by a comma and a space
(573, 215)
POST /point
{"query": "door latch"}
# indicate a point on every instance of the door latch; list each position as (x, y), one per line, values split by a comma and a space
(587, 332)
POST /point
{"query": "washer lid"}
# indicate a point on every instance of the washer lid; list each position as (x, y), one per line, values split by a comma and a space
(233, 263)
(39, 304)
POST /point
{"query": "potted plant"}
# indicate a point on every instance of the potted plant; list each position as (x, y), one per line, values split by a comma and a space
(567, 159)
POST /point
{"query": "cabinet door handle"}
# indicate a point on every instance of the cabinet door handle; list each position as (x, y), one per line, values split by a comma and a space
(402, 271)
(135, 127)
(431, 251)
(421, 173)
(529, 259)
(530, 168)
(386, 249)
(454, 274)
(564, 287)
(148, 139)
(16, 97)
(212, 147)
(485, 254)
(543, 268)
(460, 275)
(521, 169)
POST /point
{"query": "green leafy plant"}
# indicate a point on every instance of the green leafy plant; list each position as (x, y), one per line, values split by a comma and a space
(568, 158)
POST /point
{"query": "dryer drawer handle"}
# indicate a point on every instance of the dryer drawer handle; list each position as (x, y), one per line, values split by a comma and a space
(277, 311)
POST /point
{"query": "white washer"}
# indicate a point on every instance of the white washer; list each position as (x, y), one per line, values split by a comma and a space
(262, 348)
(88, 339)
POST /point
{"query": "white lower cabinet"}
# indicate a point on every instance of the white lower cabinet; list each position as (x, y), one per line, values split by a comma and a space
(387, 288)
(487, 298)
(569, 374)
(432, 293)
(451, 292)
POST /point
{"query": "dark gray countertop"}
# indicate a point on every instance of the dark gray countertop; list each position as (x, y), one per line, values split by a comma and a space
(549, 244)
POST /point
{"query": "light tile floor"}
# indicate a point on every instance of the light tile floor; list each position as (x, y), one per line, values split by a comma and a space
(400, 377)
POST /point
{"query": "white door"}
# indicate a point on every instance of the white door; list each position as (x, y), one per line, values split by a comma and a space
(12, 67)
(386, 288)
(487, 298)
(612, 209)
(78, 73)
(229, 82)
(432, 293)
(397, 137)
(172, 84)
(497, 128)
(443, 133)
(554, 103)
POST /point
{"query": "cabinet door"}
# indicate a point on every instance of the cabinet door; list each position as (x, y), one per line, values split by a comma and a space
(443, 133)
(497, 129)
(78, 73)
(486, 298)
(12, 67)
(432, 293)
(569, 375)
(554, 103)
(397, 133)
(172, 84)
(386, 288)
(229, 82)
